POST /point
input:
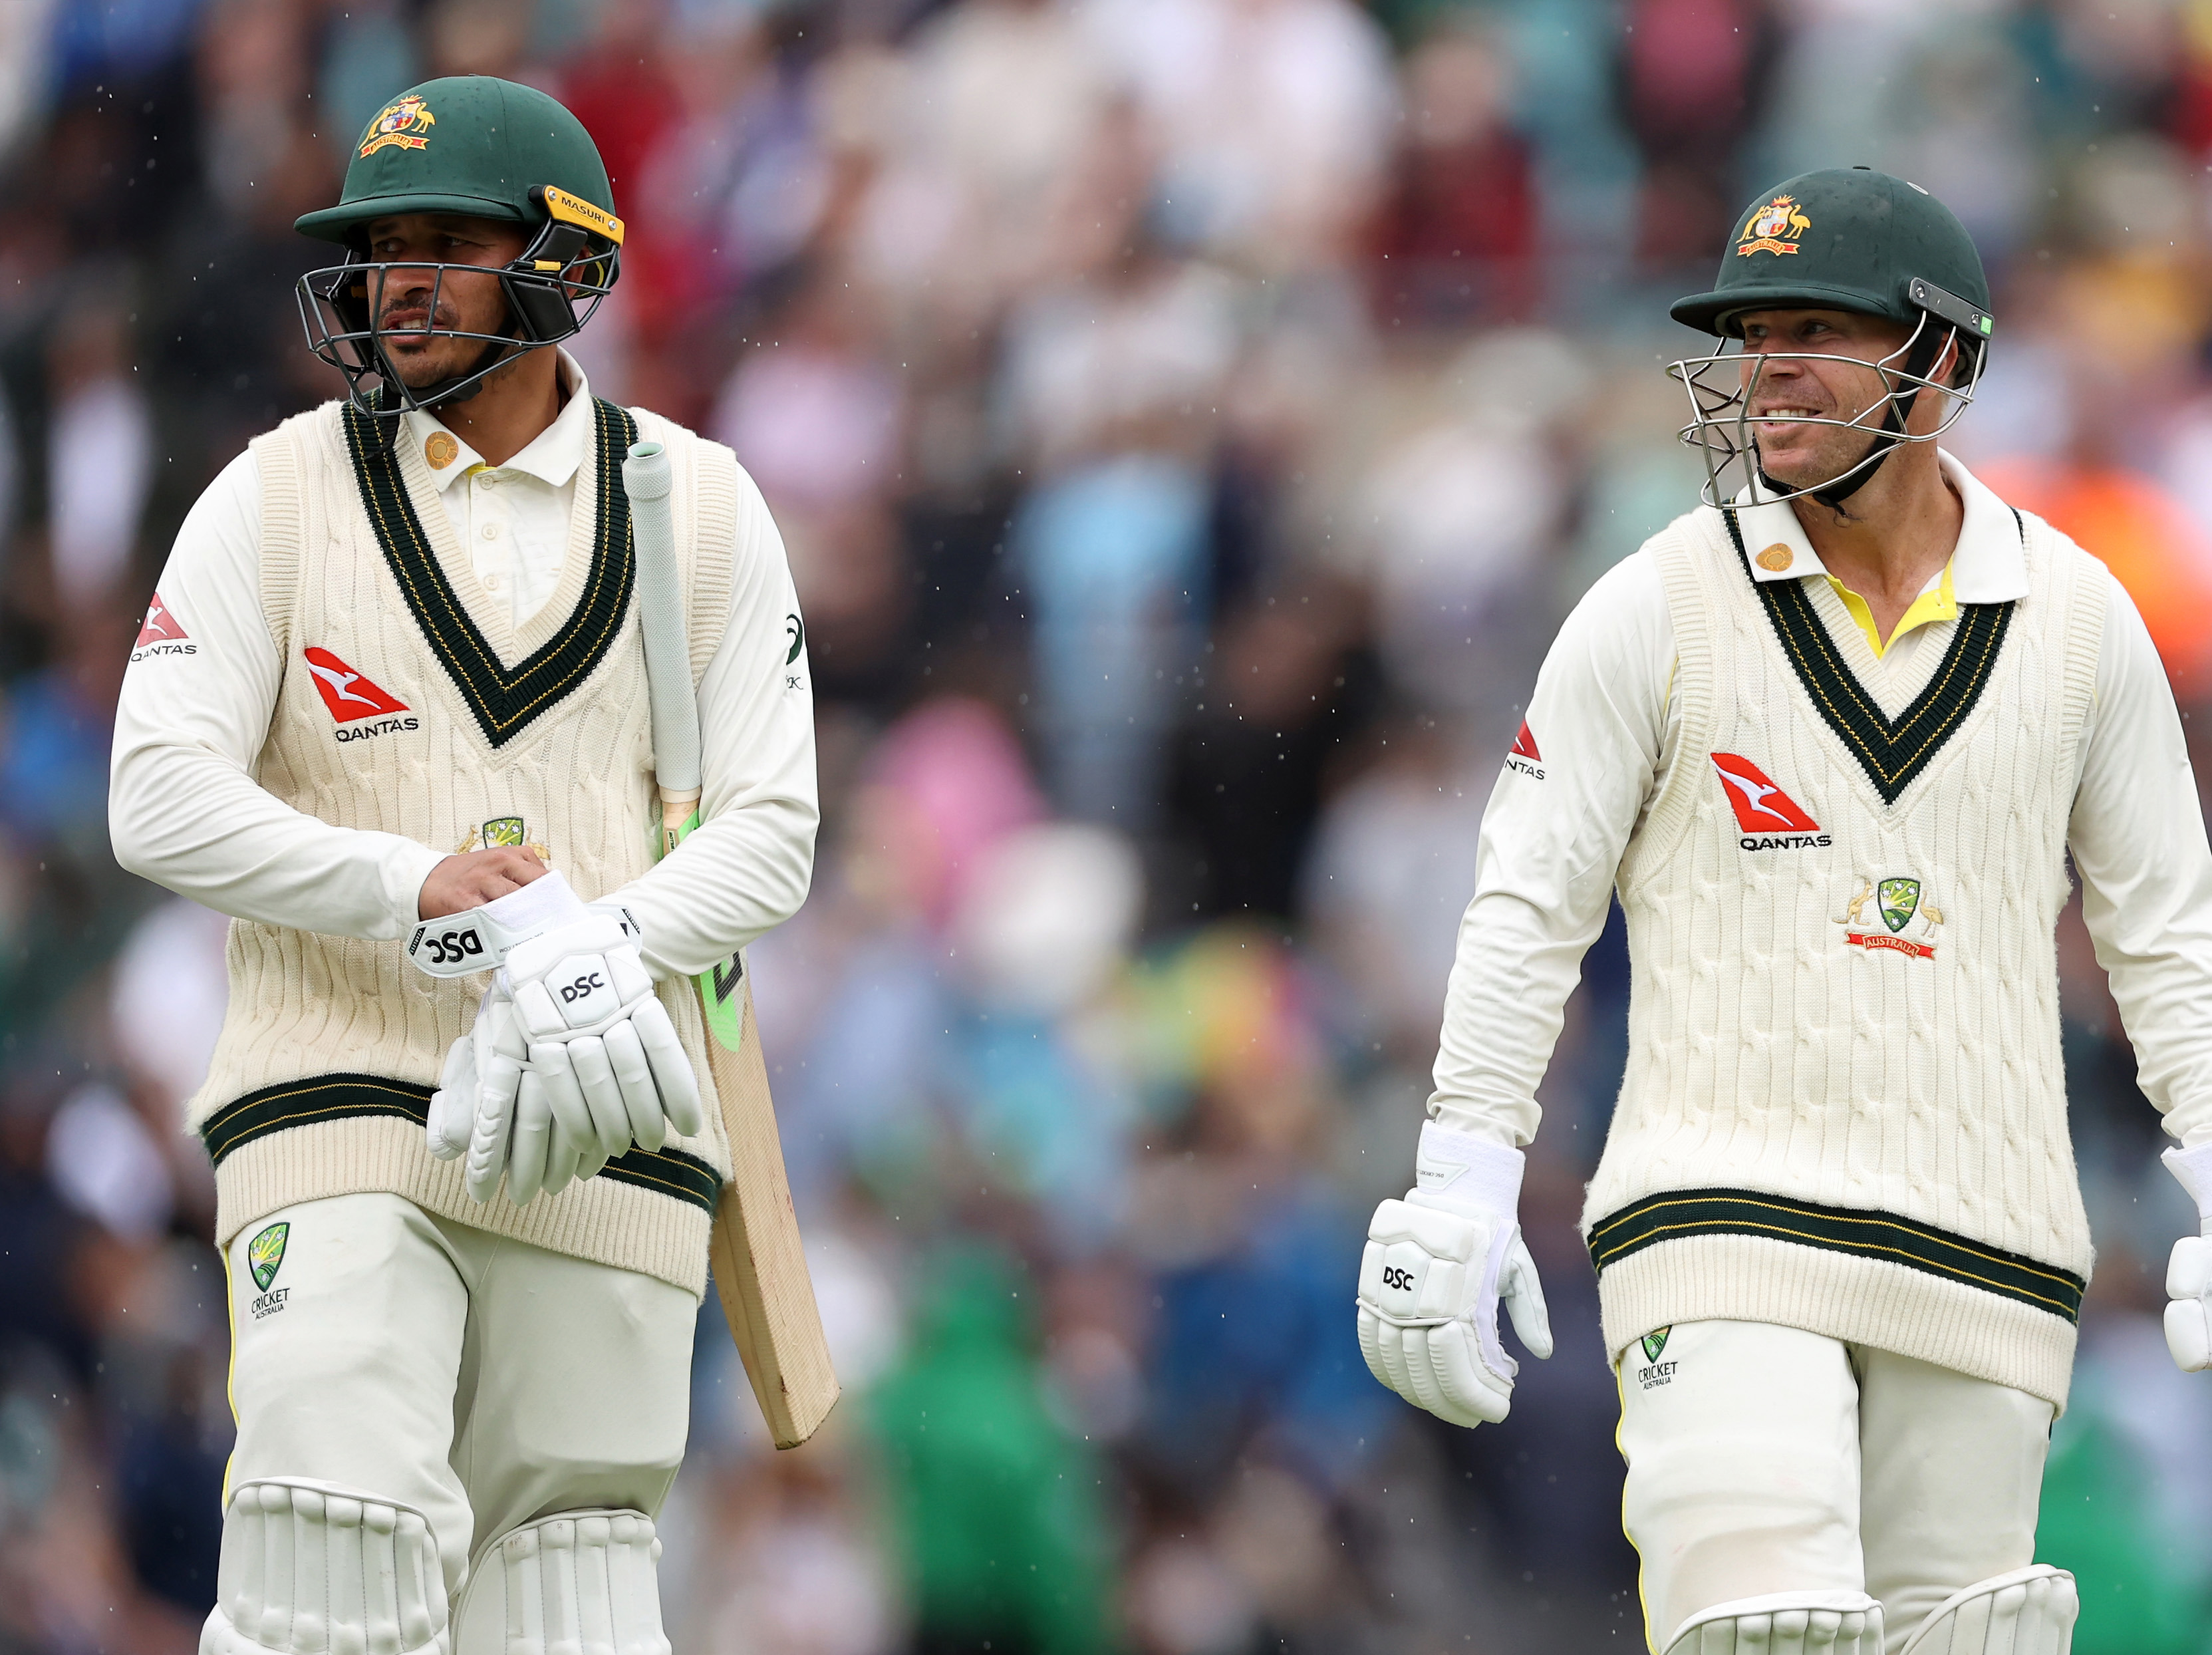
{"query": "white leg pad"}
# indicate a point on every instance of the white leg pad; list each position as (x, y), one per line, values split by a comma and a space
(316, 1568)
(576, 1583)
(1784, 1623)
(2030, 1611)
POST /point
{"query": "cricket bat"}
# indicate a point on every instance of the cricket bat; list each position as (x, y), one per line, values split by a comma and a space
(759, 1265)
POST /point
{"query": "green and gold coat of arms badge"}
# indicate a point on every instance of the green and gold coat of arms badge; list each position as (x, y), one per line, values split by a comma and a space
(264, 1254)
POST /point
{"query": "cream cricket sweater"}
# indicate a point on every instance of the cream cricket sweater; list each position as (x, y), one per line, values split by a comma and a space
(412, 704)
(1844, 1109)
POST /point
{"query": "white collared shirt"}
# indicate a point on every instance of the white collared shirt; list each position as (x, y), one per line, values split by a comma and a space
(184, 808)
(513, 518)
(1545, 868)
(1987, 566)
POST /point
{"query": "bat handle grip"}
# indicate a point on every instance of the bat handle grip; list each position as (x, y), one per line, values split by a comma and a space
(676, 807)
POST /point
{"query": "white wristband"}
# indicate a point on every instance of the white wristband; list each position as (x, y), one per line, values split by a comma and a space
(1468, 1174)
(2192, 1168)
(477, 938)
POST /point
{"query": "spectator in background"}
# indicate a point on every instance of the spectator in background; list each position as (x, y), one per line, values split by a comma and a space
(818, 417)
(1394, 845)
(1457, 234)
(1693, 82)
(1112, 383)
(1000, 1509)
(1272, 117)
(99, 457)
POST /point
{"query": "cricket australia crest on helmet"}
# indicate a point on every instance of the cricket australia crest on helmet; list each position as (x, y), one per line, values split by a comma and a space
(1774, 228)
(403, 125)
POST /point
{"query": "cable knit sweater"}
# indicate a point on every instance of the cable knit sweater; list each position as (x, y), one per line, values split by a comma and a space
(481, 732)
(1842, 862)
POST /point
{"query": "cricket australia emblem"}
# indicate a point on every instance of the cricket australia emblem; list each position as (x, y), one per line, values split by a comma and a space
(1775, 228)
(1654, 1373)
(403, 125)
(264, 1256)
(1899, 903)
(503, 830)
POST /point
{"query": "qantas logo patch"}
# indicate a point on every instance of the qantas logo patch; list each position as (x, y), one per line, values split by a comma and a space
(1770, 819)
(351, 697)
(161, 625)
(162, 634)
(1524, 757)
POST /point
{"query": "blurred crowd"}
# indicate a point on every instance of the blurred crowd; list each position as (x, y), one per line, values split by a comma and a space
(1189, 420)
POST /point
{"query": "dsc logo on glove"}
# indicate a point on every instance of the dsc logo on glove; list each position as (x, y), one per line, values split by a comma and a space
(451, 950)
(580, 988)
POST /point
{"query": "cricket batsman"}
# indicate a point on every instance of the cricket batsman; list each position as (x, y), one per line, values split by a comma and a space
(1832, 737)
(390, 710)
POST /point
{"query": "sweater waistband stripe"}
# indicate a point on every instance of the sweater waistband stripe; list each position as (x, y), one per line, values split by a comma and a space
(1679, 1213)
(340, 1096)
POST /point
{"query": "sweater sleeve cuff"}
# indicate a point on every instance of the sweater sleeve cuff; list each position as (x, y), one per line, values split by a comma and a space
(406, 865)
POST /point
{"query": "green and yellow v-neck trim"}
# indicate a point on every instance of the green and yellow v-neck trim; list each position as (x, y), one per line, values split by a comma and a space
(1892, 752)
(505, 701)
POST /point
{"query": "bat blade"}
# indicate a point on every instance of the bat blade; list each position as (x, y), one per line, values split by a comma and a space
(759, 1264)
(760, 1267)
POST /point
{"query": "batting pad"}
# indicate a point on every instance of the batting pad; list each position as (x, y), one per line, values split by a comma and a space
(2031, 1611)
(1784, 1623)
(308, 1568)
(576, 1580)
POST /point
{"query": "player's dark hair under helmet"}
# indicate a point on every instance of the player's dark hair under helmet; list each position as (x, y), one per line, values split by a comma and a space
(1845, 239)
(489, 148)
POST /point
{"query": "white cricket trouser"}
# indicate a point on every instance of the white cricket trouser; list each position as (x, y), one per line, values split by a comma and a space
(483, 1381)
(1765, 1460)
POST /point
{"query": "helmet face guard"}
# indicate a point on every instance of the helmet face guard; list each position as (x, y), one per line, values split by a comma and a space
(1722, 387)
(551, 291)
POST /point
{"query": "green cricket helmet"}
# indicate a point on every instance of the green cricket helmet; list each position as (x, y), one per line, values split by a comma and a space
(1843, 239)
(489, 148)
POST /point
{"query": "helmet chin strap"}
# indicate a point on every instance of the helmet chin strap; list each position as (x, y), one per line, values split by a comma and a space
(1888, 436)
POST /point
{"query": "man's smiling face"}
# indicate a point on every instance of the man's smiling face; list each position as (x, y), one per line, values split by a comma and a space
(1793, 387)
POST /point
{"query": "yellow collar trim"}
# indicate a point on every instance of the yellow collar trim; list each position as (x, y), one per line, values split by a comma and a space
(1929, 607)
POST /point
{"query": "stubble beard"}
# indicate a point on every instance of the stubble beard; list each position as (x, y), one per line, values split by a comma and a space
(444, 359)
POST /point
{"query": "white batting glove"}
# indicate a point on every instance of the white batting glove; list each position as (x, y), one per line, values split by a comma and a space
(453, 1104)
(1434, 1268)
(2189, 1272)
(606, 1068)
(472, 1111)
(533, 1102)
